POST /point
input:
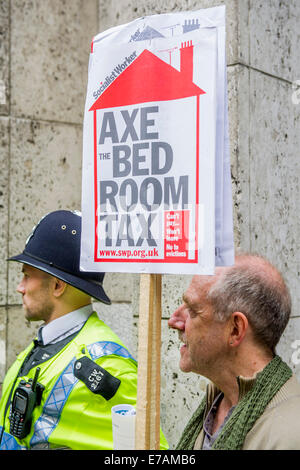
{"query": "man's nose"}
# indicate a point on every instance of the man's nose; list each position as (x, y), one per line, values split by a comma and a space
(20, 288)
(177, 319)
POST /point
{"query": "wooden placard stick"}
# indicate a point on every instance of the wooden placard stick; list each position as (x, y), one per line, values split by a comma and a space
(147, 433)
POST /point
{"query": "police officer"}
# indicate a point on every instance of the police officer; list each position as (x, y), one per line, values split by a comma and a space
(60, 390)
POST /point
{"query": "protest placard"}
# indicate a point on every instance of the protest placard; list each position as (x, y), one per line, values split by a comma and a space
(156, 191)
(156, 186)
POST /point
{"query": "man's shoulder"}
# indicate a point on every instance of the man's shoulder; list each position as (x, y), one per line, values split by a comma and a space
(285, 404)
(96, 328)
(103, 341)
(288, 393)
(278, 427)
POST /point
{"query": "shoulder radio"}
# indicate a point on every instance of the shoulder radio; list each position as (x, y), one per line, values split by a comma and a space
(27, 395)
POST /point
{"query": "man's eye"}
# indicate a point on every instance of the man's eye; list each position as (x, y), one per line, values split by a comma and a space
(192, 312)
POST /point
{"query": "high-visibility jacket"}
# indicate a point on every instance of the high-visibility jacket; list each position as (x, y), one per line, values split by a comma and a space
(75, 411)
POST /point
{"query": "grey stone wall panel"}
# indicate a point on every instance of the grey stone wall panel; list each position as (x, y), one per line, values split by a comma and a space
(289, 346)
(4, 57)
(4, 189)
(173, 286)
(238, 116)
(45, 176)
(50, 43)
(119, 286)
(274, 37)
(274, 178)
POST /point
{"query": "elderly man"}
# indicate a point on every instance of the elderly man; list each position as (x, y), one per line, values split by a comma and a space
(230, 324)
(60, 391)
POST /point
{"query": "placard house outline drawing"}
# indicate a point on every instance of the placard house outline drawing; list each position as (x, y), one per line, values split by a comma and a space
(164, 83)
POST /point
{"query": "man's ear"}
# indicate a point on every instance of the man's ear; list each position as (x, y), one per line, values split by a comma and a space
(238, 327)
(59, 287)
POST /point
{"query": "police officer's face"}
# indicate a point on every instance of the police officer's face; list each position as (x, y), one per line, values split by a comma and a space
(35, 288)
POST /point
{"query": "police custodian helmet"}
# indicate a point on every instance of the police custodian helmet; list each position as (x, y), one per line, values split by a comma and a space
(54, 247)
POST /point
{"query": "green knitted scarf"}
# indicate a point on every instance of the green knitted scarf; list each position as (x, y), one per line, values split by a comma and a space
(246, 412)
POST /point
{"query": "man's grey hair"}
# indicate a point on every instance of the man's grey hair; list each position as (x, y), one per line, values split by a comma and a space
(254, 287)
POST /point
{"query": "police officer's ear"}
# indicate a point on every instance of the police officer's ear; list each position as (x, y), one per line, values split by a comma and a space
(59, 287)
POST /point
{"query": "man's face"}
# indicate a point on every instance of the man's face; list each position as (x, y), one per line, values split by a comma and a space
(203, 337)
(35, 288)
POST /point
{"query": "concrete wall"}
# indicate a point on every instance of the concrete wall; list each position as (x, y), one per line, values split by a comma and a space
(44, 52)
